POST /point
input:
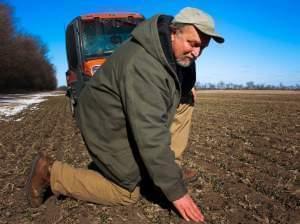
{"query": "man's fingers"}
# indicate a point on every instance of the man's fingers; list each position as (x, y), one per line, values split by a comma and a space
(194, 214)
(198, 212)
(192, 211)
(188, 213)
(183, 213)
(188, 209)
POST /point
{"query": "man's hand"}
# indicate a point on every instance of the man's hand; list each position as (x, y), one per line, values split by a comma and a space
(188, 209)
(194, 93)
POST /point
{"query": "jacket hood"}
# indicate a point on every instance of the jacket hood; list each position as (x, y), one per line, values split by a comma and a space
(147, 35)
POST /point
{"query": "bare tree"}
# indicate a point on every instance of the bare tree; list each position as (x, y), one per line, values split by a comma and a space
(24, 64)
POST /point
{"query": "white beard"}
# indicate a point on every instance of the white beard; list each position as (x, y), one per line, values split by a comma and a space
(183, 63)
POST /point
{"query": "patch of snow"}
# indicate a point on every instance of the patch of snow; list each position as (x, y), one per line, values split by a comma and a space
(12, 104)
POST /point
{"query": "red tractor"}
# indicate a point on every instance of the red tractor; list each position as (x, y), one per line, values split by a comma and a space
(90, 39)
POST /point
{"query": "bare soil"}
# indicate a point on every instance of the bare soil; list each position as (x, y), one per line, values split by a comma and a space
(245, 146)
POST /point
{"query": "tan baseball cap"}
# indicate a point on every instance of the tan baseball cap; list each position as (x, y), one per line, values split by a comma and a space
(201, 20)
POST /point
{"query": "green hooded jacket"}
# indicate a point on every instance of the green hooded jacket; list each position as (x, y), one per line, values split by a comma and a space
(125, 112)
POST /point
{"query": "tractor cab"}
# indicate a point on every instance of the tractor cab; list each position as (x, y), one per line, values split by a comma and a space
(90, 40)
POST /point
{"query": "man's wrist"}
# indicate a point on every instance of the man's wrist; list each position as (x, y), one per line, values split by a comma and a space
(175, 192)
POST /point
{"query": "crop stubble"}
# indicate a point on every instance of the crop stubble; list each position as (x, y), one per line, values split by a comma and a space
(245, 146)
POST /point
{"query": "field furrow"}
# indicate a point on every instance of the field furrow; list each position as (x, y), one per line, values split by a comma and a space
(244, 144)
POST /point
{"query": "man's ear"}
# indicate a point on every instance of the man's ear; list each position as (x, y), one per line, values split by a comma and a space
(173, 35)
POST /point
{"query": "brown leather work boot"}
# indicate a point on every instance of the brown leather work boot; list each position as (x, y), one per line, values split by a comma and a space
(189, 175)
(39, 179)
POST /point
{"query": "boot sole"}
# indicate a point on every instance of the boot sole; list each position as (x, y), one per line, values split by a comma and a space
(29, 179)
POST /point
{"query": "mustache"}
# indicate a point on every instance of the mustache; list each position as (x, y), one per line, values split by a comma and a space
(190, 56)
(193, 58)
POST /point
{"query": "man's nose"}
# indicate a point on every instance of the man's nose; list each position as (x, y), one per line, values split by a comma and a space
(196, 52)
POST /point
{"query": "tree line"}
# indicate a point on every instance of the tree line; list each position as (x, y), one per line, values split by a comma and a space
(247, 85)
(24, 64)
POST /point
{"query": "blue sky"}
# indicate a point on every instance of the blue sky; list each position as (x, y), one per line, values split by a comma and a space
(262, 37)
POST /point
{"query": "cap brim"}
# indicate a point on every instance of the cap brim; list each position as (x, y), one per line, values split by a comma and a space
(218, 38)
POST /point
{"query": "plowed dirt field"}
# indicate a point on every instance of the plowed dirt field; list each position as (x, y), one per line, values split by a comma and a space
(244, 144)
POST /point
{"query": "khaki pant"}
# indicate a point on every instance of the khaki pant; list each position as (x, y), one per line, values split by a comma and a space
(180, 129)
(89, 185)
